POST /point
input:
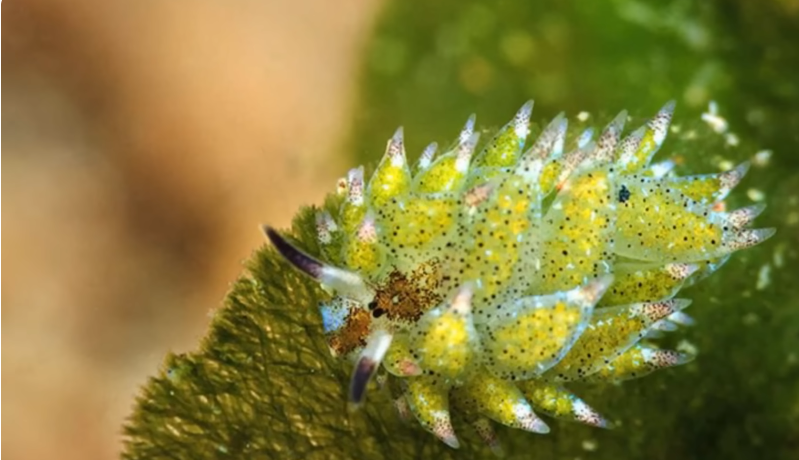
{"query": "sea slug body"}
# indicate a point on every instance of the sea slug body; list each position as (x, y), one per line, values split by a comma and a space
(479, 283)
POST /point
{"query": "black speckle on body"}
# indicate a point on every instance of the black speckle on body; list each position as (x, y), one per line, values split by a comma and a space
(624, 194)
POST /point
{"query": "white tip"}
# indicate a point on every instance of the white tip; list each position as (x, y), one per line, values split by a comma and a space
(446, 433)
(681, 318)
(664, 325)
(585, 138)
(465, 152)
(527, 419)
(660, 359)
(355, 186)
(549, 142)
(729, 179)
(661, 168)
(660, 123)
(586, 414)
(680, 271)
(610, 137)
(396, 148)
(398, 136)
(680, 304)
(748, 237)
(742, 217)
(617, 124)
(468, 129)
(325, 226)
(521, 122)
(652, 312)
(535, 425)
(426, 159)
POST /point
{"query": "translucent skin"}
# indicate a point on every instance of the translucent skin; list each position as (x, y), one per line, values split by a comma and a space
(481, 283)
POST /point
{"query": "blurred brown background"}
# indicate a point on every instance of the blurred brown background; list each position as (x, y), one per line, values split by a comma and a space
(143, 144)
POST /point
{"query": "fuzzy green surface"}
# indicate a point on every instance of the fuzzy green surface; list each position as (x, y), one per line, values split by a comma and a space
(262, 383)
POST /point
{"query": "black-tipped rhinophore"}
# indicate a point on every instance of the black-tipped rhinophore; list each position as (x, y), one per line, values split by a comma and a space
(345, 282)
(369, 360)
(292, 254)
(363, 372)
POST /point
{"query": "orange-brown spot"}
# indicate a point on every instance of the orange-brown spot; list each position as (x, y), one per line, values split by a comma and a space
(407, 297)
(353, 334)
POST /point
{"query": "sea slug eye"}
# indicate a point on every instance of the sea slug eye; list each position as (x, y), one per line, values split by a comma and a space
(487, 277)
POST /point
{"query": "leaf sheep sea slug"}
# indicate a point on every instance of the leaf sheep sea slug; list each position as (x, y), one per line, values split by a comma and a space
(479, 284)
